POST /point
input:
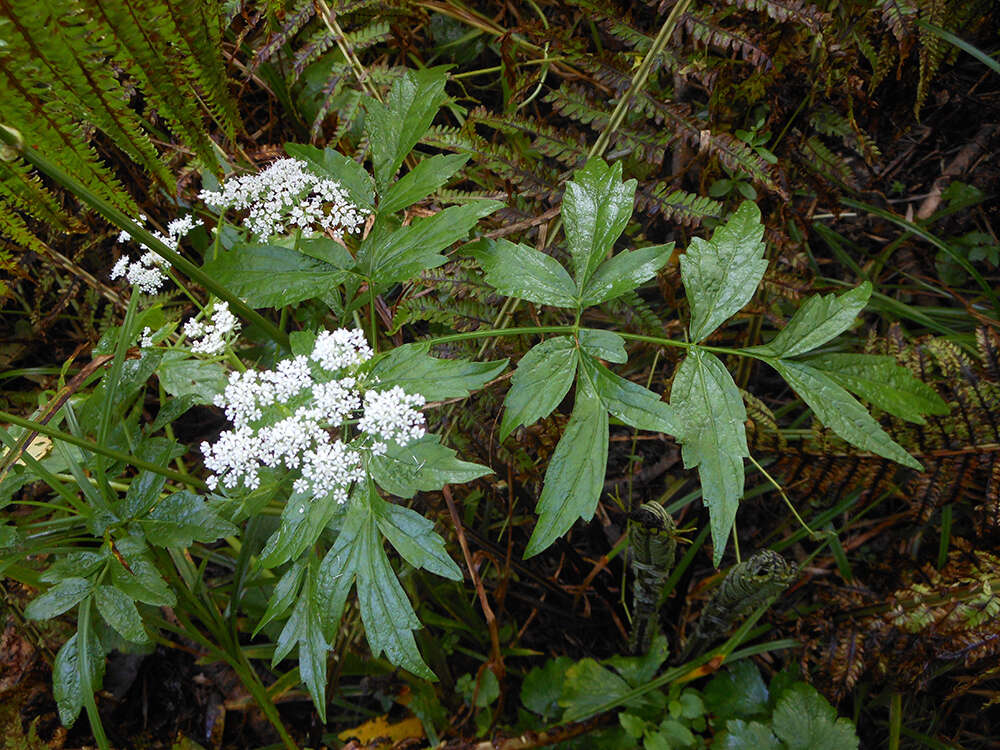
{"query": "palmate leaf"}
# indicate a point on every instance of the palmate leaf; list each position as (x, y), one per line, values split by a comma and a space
(541, 381)
(819, 320)
(839, 410)
(595, 209)
(710, 415)
(721, 275)
(575, 475)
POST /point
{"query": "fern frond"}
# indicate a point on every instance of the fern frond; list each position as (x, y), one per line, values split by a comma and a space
(899, 16)
(817, 156)
(932, 47)
(293, 23)
(796, 11)
(549, 141)
(677, 205)
(726, 40)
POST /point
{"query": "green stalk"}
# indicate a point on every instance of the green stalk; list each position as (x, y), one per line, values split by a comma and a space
(52, 432)
(13, 139)
(83, 664)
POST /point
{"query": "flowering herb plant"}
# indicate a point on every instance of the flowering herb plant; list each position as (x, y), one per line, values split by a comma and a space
(326, 432)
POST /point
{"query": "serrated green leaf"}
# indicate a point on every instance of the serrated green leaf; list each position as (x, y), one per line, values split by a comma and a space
(392, 253)
(80, 564)
(63, 596)
(820, 319)
(415, 371)
(395, 127)
(423, 465)
(603, 344)
(283, 595)
(387, 615)
(336, 573)
(327, 250)
(302, 521)
(738, 691)
(542, 686)
(709, 410)
(630, 402)
(414, 538)
(575, 476)
(740, 735)
(182, 375)
(623, 273)
(588, 687)
(641, 669)
(118, 610)
(144, 490)
(523, 272)
(837, 409)
(721, 275)
(805, 721)
(183, 518)
(421, 181)
(595, 209)
(541, 381)
(271, 275)
(334, 165)
(882, 382)
(141, 581)
(67, 682)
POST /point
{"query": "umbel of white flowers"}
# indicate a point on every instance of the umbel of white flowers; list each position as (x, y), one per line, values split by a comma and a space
(148, 272)
(299, 416)
(287, 195)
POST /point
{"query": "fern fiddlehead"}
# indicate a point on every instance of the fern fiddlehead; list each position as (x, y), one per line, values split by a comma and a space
(653, 543)
(753, 582)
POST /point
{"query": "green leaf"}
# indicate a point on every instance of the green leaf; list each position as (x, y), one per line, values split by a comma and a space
(421, 181)
(542, 686)
(630, 402)
(337, 571)
(739, 735)
(414, 538)
(595, 209)
(283, 595)
(588, 687)
(422, 466)
(674, 734)
(387, 615)
(327, 250)
(141, 581)
(805, 721)
(80, 564)
(67, 682)
(118, 610)
(603, 345)
(332, 164)
(819, 320)
(144, 490)
(737, 692)
(271, 275)
(541, 381)
(721, 275)
(523, 272)
(391, 253)
(302, 521)
(882, 382)
(63, 596)
(395, 127)
(304, 627)
(623, 273)
(710, 412)
(183, 518)
(411, 367)
(182, 375)
(837, 409)
(575, 476)
(641, 669)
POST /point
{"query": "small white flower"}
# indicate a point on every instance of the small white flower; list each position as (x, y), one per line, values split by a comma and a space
(146, 337)
(390, 416)
(341, 348)
(147, 272)
(330, 469)
(210, 338)
(286, 194)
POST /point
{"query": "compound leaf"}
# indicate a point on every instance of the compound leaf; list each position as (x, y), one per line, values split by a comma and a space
(542, 379)
(575, 475)
(839, 410)
(710, 413)
(820, 319)
(721, 275)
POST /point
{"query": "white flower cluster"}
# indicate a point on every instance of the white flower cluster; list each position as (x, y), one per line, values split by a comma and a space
(209, 337)
(147, 272)
(288, 417)
(287, 194)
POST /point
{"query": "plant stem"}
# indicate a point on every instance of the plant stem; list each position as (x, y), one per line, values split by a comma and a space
(100, 450)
